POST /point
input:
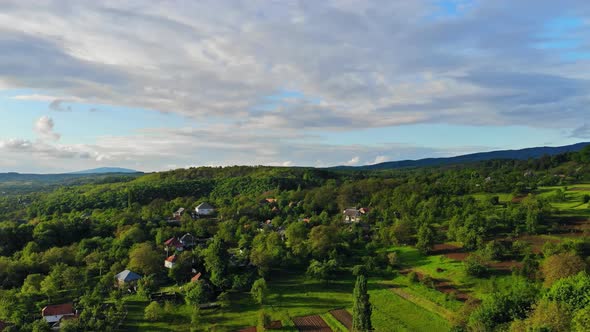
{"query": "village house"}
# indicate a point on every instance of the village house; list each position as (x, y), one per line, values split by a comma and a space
(173, 243)
(188, 240)
(204, 209)
(53, 314)
(178, 214)
(351, 215)
(196, 277)
(170, 261)
(127, 278)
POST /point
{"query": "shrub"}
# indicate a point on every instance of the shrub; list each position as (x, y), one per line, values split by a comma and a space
(581, 320)
(153, 312)
(427, 281)
(560, 266)
(393, 259)
(475, 265)
(413, 277)
(493, 250)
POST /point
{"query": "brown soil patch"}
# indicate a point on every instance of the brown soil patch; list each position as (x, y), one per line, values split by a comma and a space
(275, 325)
(579, 189)
(248, 329)
(518, 199)
(576, 226)
(536, 242)
(343, 316)
(313, 323)
(450, 251)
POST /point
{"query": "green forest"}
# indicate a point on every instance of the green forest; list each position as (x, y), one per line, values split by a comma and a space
(499, 245)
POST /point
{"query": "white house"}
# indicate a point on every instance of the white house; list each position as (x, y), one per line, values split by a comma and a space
(54, 313)
(170, 262)
(204, 209)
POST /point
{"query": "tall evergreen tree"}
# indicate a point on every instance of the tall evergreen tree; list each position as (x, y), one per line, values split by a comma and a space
(361, 309)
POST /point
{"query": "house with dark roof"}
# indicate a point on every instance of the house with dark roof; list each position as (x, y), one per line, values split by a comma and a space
(204, 209)
(188, 240)
(55, 313)
(351, 215)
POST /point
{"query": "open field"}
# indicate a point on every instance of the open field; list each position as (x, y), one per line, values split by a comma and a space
(394, 313)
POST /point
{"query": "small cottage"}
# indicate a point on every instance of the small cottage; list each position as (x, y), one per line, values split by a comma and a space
(54, 313)
(204, 209)
(170, 262)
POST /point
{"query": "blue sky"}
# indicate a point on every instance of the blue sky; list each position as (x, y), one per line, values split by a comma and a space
(287, 83)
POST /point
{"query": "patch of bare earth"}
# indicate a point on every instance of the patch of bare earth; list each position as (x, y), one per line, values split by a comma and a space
(450, 251)
(536, 242)
(343, 316)
(313, 323)
(506, 265)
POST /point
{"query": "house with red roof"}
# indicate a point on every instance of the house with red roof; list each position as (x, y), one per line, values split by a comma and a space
(174, 243)
(196, 277)
(170, 261)
(56, 312)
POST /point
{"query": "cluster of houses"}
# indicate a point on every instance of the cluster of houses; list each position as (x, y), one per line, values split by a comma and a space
(55, 314)
(202, 210)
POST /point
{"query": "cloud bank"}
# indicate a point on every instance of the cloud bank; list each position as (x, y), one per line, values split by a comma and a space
(266, 76)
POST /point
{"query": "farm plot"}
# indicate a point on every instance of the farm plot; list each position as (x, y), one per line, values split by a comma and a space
(313, 323)
(343, 316)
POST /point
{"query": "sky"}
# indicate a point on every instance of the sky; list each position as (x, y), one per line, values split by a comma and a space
(158, 85)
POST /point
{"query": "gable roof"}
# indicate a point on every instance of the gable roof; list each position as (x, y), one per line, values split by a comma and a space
(58, 309)
(127, 276)
(172, 259)
(173, 242)
(351, 212)
(188, 237)
(205, 206)
(196, 277)
(179, 211)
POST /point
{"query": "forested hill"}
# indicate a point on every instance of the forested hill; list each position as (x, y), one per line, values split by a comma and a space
(522, 154)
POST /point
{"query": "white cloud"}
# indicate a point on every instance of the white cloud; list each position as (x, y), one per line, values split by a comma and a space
(383, 62)
(379, 160)
(354, 161)
(349, 65)
(44, 127)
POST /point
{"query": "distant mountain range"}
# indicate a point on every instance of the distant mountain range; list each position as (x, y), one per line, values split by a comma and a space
(105, 170)
(49, 178)
(522, 154)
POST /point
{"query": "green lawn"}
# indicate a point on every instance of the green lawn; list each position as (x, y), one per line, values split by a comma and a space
(393, 313)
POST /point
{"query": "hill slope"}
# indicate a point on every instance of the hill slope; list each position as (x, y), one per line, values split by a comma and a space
(105, 170)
